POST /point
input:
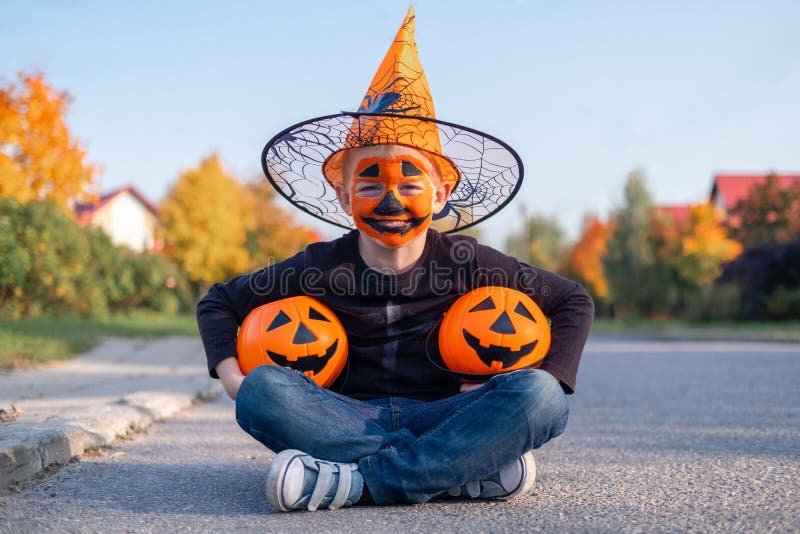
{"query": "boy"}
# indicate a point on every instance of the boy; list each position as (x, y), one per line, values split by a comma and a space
(394, 428)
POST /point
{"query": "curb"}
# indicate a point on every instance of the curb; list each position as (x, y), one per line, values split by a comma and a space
(26, 450)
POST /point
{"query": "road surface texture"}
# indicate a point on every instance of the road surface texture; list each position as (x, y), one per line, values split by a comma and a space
(663, 436)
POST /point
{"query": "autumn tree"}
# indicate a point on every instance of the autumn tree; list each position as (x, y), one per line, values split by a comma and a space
(704, 247)
(206, 217)
(638, 260)
(39, 159)
(539, 242)
(584, 261)
(768, 214)
(274, 235)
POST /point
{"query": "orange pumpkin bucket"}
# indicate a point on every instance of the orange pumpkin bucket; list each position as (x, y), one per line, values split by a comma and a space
(297, 332)
(493, 330)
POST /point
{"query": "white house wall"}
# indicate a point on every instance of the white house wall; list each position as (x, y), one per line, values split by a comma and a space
(127, 222)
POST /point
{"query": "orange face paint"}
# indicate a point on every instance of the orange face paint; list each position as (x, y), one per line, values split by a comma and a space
(391, 198)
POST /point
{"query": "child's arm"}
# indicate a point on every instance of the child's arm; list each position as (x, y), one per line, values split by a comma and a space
(568, 306)
(223, 309)
(230, 375)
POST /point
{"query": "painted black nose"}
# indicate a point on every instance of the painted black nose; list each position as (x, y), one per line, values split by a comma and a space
(503, 325)
(303, 335)
(389, 205)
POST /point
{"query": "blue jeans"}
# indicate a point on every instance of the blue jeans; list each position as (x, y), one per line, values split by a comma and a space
(409, 451)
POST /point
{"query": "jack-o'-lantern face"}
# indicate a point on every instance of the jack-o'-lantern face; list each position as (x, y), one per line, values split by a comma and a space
(297, 332)
(493, 330)
(391, 198)
(390, 192)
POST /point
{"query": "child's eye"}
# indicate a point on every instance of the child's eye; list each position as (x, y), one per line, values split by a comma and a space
(369, 190)
(411, 189)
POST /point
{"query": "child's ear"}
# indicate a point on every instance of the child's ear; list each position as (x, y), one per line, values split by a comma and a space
(441, 195)
(344, 198)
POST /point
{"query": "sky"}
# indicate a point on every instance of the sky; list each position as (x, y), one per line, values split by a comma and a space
(584, 91)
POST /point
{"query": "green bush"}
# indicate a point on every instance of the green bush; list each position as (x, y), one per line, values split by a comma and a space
(784, 303)
(719, 302)
(52, 266)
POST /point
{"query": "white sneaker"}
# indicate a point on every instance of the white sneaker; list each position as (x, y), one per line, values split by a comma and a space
(297, 481)
(516, 478)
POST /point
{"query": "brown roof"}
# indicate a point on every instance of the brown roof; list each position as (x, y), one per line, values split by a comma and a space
(84, 212)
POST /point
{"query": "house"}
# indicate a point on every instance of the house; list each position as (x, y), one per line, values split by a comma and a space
(126, 215)
(728, 189)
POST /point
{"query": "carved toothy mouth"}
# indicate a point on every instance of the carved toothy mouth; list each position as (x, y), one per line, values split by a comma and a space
(312, 363)
(382, 227)
(496, 353)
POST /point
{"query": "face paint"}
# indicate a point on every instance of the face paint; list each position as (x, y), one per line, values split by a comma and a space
(391, 198)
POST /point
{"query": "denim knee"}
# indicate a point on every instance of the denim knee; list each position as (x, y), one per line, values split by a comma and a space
(543, 399)
(264, 389)
(268, 377)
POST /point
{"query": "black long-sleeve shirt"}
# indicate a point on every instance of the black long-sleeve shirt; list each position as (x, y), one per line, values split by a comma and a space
(388, 317)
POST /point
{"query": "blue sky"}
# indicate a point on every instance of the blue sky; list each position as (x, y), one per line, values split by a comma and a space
(584, 91)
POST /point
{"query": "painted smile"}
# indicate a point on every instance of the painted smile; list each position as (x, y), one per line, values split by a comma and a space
(394, 226)
(495, 353)
(312, 363)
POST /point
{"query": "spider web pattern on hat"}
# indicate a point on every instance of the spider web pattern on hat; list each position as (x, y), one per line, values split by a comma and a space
(490, 170)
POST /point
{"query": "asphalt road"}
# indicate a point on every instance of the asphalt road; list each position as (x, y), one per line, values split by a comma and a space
(663, 436)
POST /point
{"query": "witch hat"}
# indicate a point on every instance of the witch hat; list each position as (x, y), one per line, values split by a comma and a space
(304, 162)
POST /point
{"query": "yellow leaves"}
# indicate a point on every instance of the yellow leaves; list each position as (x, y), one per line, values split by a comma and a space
(205, 223)
(39, 160)
(704, 245)
(216, 227)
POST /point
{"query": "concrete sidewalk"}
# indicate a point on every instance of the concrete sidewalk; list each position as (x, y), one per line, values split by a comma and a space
(121, 386)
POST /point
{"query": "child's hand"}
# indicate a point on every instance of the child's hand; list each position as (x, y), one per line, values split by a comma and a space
(470, 387)
(231, 376)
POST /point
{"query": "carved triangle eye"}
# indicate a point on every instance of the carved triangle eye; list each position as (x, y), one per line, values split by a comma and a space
(485, 304)
(523, 311)
(279, 320)
(314, 314)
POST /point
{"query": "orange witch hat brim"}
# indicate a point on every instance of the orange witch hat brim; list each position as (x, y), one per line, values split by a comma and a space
(396, 105)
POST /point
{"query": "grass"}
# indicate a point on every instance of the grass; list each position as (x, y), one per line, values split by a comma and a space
(31, 342)
(787, 330)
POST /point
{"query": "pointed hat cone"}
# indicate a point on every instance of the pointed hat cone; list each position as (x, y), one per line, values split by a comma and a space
(400, 94)
(304, 161)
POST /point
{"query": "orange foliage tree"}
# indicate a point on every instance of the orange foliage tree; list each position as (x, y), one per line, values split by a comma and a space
(39, 159)
(584, 261)
(704, 247)
(768, 214)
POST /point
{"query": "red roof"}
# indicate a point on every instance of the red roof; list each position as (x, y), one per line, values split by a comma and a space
(734, 187)
(679, 214)
(84, 212)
